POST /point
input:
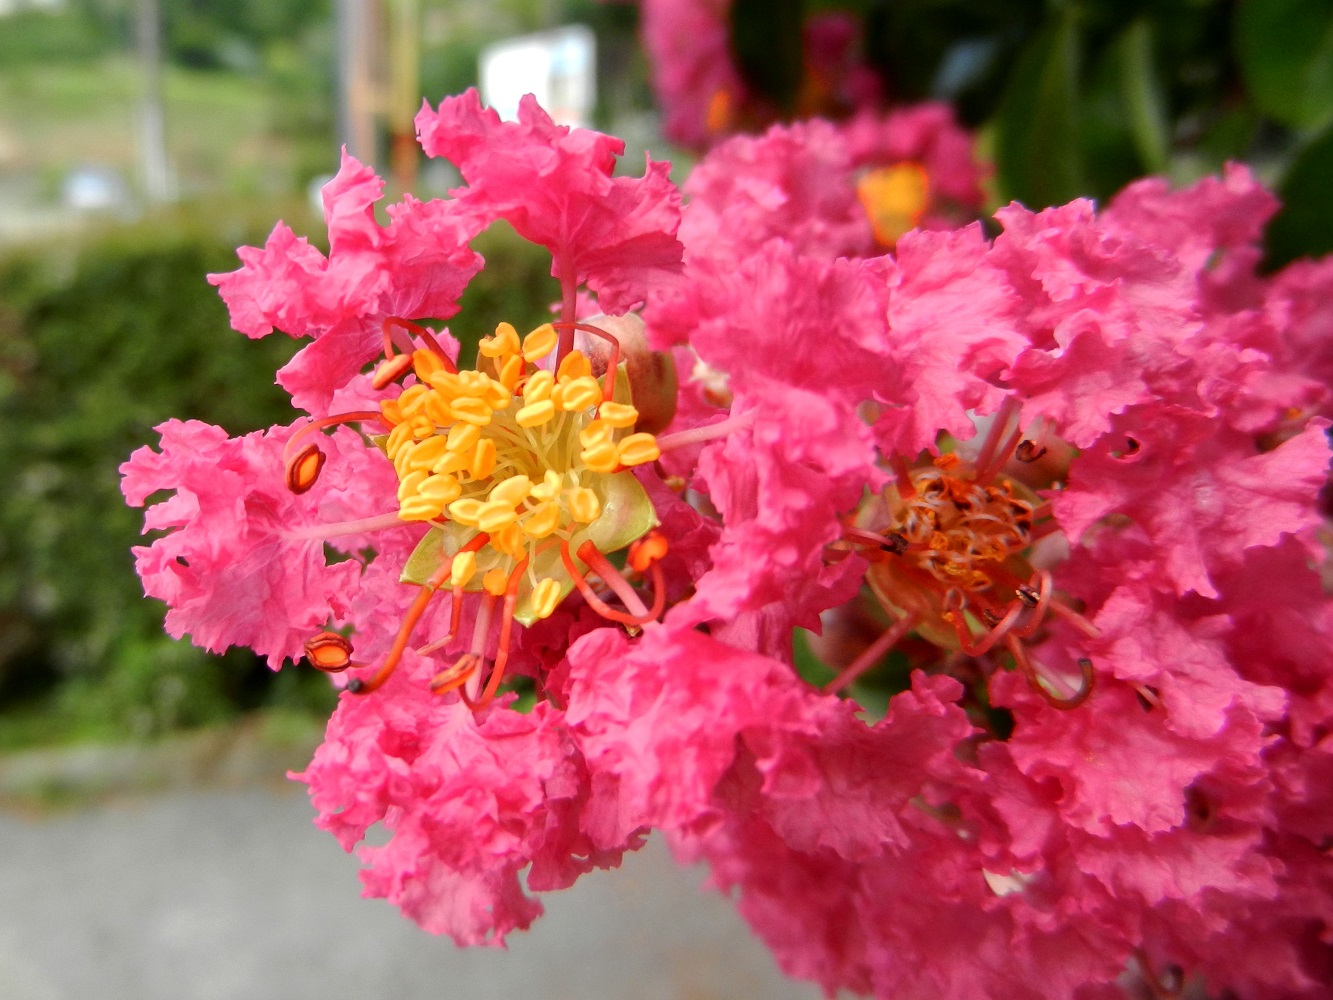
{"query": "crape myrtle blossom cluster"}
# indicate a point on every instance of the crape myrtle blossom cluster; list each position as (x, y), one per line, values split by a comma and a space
(1120, 738)
(1111, 756)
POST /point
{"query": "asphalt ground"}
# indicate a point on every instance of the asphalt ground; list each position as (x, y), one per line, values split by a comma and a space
(231, 892)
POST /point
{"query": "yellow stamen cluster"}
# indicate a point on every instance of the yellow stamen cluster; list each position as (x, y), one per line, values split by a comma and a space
(960, 530)
(895, 199)
(517, 451)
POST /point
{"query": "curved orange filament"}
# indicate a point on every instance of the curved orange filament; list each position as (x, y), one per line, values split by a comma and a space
(1043, 686)
(637, 614)
(391, 370)
(453, 678)
(872, 653)
(612, 577)
(414, 613)
(455, 614)
(589, 595)
(609, 389)
(954, 616)
(506, 630)
(409, 328)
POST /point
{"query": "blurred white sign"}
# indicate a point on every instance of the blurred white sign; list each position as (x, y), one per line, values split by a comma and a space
(559, 67)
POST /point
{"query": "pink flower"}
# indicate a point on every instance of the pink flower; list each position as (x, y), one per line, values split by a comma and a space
(417, 266)
(616, 235)
(240, 565)
(505, 484)
(1143, 788)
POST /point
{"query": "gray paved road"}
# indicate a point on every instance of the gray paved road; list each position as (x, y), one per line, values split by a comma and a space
(223, 894)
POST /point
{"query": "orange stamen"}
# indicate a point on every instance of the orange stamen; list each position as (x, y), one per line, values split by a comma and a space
(303, 470)
(506, 629)
(329, 652)
(589, 595)
(456, 676)
(414, 613)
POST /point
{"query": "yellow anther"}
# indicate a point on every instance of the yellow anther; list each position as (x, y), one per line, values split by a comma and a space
(446, 383)
(549, 488)
(584, 505)
(510, 541)
(426, 363)
(482, 463)
(398, 438)
(497, 395)
(426, 453)
(545, 596)
(437, 408)
(462, 569)
(582, 393)
(407, 486)
(595, 433)
(638, 449)
(391, 411)
(535, 414)
(540, 342)
(618, 414)
(470, 411)
(538, 386)
(413, 400)
(511, 371)
(441, 489)
(419, 509)
(422, 426)
(465, 511)
(463, 437)
(505, 341)
(542, 521)
(512, 492)
(601, 457)
(402, 462)
(495, 581)
(494, 516)
(452, 463)
(474, 384)
(575, 365)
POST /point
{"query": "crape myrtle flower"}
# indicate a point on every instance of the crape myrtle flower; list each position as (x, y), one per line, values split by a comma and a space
(1078, 475)
(506, 484)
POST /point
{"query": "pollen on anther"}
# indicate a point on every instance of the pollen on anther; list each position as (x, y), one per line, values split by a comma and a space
(303, 471)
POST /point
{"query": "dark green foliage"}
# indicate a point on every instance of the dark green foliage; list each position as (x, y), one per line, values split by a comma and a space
(100, 344)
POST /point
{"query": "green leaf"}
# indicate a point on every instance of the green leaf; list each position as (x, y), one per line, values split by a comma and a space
(1037, 152)
(1285, 49)
(1304, 226)
(1142, 92)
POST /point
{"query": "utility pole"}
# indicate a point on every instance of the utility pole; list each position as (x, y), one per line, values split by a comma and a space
(152, 128)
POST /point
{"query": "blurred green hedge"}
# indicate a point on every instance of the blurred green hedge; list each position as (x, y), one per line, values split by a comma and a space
(100, 341)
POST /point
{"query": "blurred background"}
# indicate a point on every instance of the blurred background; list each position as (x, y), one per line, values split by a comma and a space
(142, 141)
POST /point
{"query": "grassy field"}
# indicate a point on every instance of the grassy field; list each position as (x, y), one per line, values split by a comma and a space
(221, 127)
